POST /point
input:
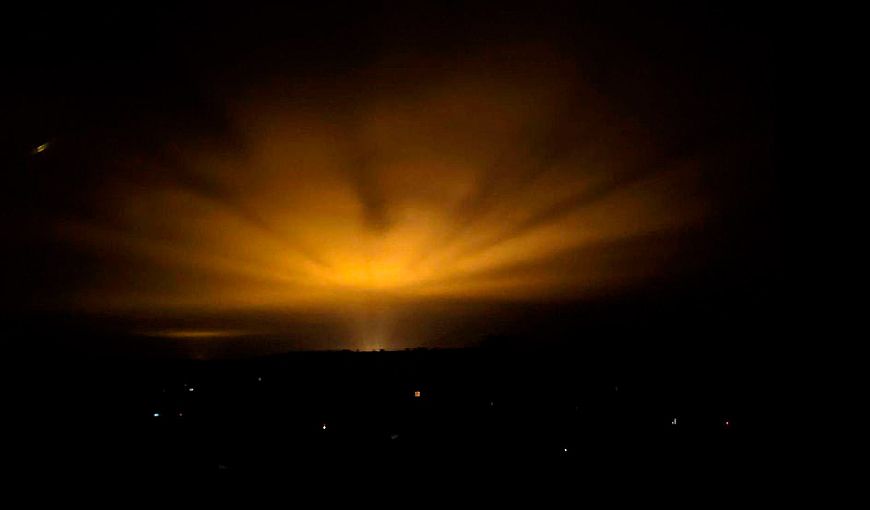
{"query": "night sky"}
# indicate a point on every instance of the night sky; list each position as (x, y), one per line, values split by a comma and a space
(386, 176)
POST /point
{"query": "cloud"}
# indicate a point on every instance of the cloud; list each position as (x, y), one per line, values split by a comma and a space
(500, 176)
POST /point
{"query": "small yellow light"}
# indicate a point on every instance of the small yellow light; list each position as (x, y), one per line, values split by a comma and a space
(417, 394)
(41, 148)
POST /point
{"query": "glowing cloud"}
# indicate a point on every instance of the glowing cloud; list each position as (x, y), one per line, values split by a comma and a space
(490, 179)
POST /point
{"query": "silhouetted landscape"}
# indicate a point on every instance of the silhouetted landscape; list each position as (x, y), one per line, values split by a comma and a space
(283, 412)
(642, 394)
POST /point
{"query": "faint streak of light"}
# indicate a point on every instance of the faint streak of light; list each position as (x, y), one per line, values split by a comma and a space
(195, 333)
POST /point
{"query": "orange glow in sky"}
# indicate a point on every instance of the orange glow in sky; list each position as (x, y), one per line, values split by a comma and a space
(484, 180)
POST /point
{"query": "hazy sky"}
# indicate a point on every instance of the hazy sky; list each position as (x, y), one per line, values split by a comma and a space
(350, 168)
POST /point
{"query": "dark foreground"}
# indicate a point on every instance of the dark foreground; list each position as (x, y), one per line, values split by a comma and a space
(308, 411)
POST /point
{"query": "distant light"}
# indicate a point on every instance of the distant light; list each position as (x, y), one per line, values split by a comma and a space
(674, 421)
(491, 403)
(324, 426)
(156, 415)
(417, 394)
(180, 415)
(727, 423)
(565, 450)
(190, 389)
(41, 148)
(259, 379)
